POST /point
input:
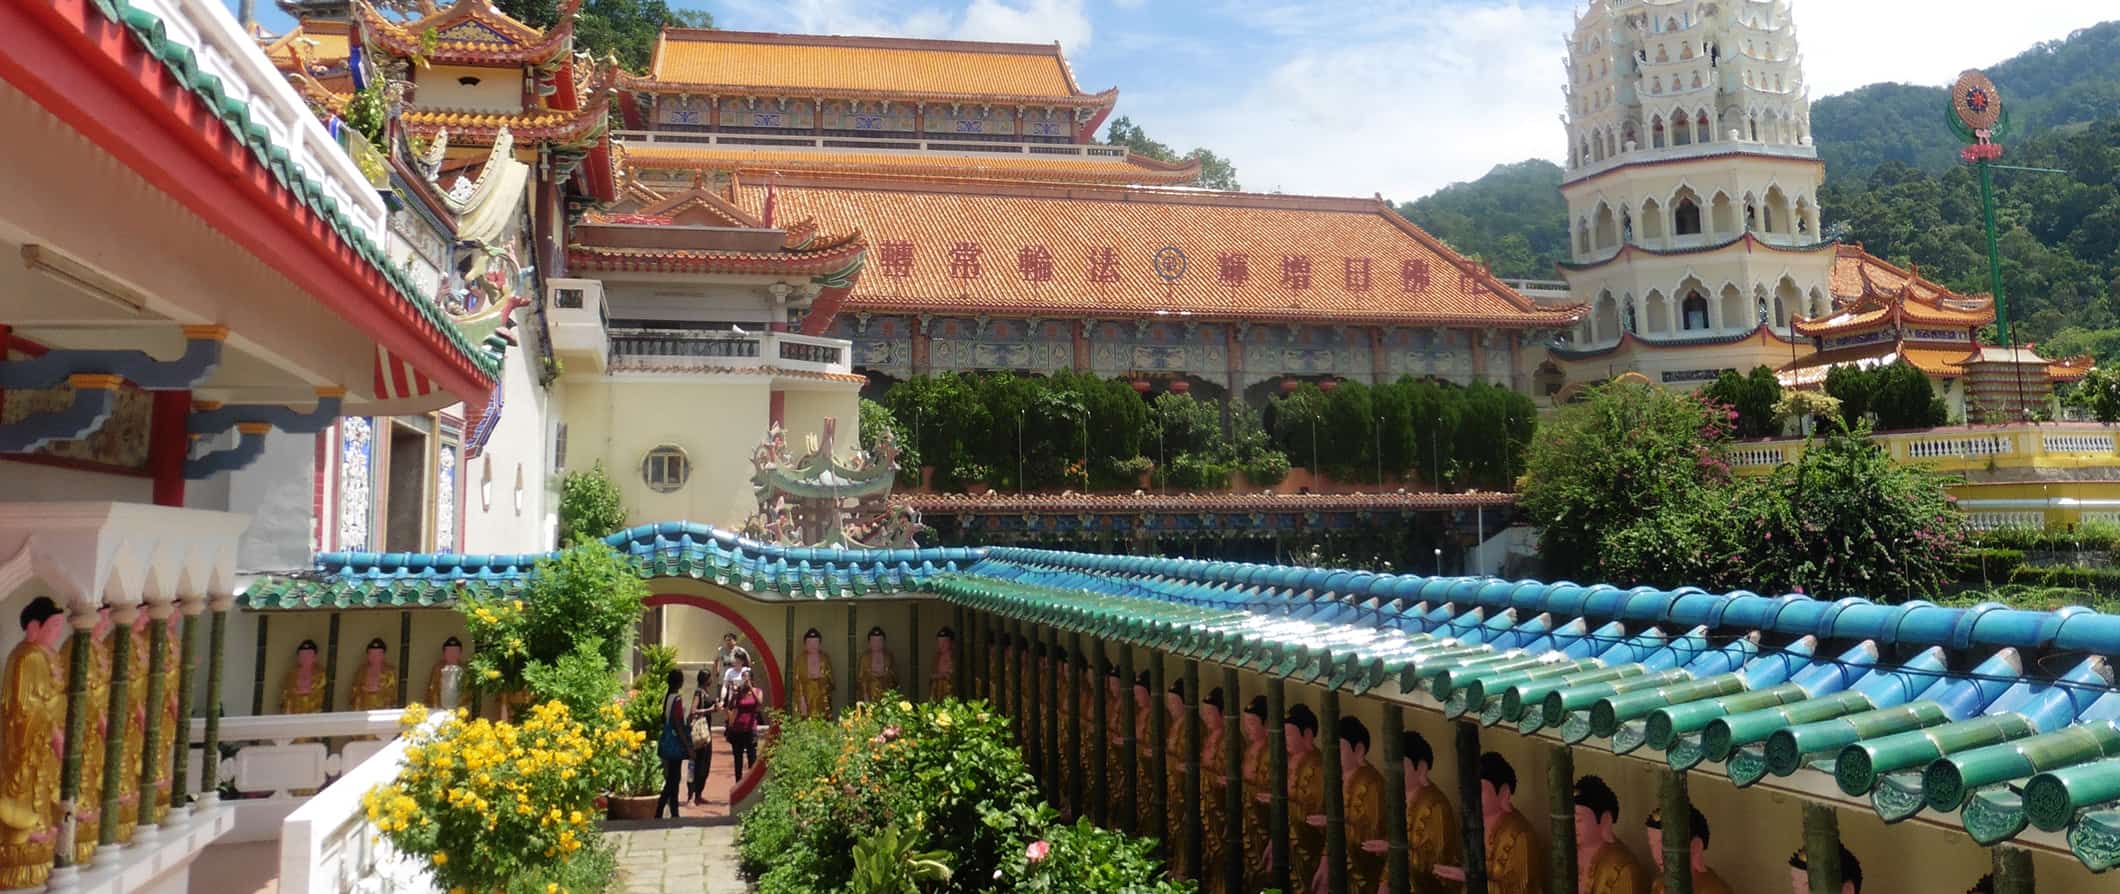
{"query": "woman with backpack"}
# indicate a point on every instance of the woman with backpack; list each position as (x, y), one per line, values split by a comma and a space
(672, 746)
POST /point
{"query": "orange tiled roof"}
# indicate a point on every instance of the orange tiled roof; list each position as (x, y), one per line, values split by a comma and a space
(970, 166)
(838, 256)
(1869, 291)
(325, 43)
(1100, 244)
(470, 32)
(736, 61)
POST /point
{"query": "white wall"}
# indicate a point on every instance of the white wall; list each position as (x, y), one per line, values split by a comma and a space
(27, 482)
(523, 441)
(497, 90)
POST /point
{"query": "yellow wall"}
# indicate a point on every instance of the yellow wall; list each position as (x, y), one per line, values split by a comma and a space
(717, 420)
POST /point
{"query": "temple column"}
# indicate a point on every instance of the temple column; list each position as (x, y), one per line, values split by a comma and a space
(149, 770)
(1277, 829)
(1476, 343)
(331, 664)
(1233, 793)
(1195, 842)
(853, 664)
(1379, 362)
(82, 618)
(1821, 846)
(1335, 796)
(1677, 809)
(121, 660)
(404, 655)
(180, 738)
(1100, 743)
(2013, 871)
(1129, 745)
(920, 345)
(1398, 867)
(1159, 762)
(1471, 822)
(210, 747)
(257, 666)
(1050, 712)
(1515, 341)
(913, 652)
(1079, 333)
(1560, 800)
(1073, 669)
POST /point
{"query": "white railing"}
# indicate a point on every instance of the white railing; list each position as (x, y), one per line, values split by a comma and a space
(1757, 456)
(1977, 445)
(684, 350)
(1988, 521)
(328, 846)
(879, 143)
(222, 48)
(271, 773)
(2094, 443)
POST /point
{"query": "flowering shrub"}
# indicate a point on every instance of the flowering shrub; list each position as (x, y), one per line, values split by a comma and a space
(944, 778)
(498, 807)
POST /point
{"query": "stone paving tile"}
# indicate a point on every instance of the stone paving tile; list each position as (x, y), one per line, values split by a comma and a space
(687, 859)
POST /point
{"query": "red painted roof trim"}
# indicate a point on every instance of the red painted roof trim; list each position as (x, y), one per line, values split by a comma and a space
(93, 74)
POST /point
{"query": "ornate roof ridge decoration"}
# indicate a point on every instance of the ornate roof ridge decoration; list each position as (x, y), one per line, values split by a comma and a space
(1133, 168)
(818, 499)
(1914, 300)
(654, 81)
(469, 32)
(836, 261)
(1748, 238)
(1626, 339)
(706, 199)
(182, 65)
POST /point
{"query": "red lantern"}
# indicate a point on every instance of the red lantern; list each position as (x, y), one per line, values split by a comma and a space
(1141, 386)
(1328, 384)
(1180, 386)
(1289, 386)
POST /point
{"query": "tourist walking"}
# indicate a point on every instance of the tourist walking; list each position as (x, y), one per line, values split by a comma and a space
(743, 724)
(705, 698)
(735, 667)
(672, 746)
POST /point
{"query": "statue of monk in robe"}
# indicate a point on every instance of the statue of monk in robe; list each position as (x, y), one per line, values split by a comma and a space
(1605, 865)
(1362, 809)
(1177, 762)
(1514, 864)
(445, 682)
(33, 730)
(135, 674)
(812, 688)
(1306, 793)
(1257, 778)
(88, 801)
(1214, 793)
(878, 671)
(942, 673)
(375, 683)
(1145, 746)
(1705, 881)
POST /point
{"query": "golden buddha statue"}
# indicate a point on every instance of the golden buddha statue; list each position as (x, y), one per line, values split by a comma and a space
(1306, 793)
(302, 692)
(1431, 823)
(878, 670)
(1178, 762)
(1513, 861)
(375, 683)
(33, 729)
(1145, 783)
(1362, 807)
(812, 687)
(1705, 881)
(135, 732)
(88, 801)
(942, 673)
(445, 682)
(1256, 776)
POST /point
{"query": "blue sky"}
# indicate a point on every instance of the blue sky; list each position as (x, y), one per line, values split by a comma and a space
(1398, 97)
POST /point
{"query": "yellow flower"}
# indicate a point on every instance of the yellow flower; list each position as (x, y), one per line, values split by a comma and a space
(441, 858)
(551, 888)
(942, 719)
(905, 706)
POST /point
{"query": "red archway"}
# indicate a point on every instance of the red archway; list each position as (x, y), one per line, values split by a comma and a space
(765, 656)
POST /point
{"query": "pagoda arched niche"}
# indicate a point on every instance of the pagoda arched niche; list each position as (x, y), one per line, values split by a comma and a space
(1806, 217)
(1686, 213)
(1607, 227)
(1657, 136)
(1681, 127)
(1820, 304)
(1582, 237)
(1656, 307)
(1604, 320)
(1652, 231)
(1733, 310)
(1722, 215)
(1788, 301)
(1775, 211)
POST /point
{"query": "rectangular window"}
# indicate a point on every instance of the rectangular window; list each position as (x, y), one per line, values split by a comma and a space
(559, 448)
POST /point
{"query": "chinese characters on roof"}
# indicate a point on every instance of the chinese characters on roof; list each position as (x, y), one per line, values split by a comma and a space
(965, 260)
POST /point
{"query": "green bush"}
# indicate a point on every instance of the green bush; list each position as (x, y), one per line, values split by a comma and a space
(1194, 472)
(2102, 580)
(590, 507)
(1988, 563)
(944, 781)
(1470, 436)
(1267, 468)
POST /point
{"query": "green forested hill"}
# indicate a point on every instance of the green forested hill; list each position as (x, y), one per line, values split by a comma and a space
(2056, 84)
(1512, 218)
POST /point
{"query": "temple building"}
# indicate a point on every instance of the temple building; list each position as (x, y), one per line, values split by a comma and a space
(1692, 189)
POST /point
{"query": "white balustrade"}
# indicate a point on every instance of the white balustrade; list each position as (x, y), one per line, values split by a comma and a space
(269, 767)
(1758, 456)
(1988, 521)
(2101, 443)
(682, 350)
(328, 846)
(222, 47)
(1963, 446)
(865, 144)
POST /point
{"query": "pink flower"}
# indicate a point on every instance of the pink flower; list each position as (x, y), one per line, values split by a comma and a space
(1037, 850)
(1798, 589)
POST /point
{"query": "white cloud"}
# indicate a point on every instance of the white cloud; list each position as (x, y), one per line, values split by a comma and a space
(1403, 97)
(1028, 21)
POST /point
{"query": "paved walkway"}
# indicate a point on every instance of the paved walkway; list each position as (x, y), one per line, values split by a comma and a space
(692, 858)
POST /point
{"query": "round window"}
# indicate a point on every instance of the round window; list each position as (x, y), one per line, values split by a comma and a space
(665, 469)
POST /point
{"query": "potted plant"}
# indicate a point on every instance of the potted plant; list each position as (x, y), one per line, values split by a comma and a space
(634, 796)
(636, 792)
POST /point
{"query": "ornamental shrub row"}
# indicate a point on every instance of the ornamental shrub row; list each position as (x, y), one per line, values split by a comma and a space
(892, 797)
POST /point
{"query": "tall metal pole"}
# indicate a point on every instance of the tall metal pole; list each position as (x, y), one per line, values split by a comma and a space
(1987, 210)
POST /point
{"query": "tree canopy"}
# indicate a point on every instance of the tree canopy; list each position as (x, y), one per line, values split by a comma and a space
(1514, 218)
(1216, 172)
(622, 28)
